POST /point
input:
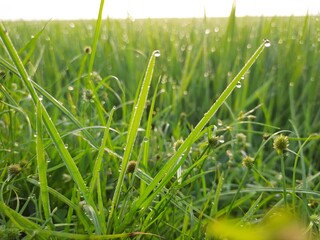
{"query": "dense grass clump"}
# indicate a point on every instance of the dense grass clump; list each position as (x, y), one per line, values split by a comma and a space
(174, 129)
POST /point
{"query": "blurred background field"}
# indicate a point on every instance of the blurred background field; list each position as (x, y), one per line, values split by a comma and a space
(198, 59)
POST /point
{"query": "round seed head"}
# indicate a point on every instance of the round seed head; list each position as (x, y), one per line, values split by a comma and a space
(213, 141)
(14, 169)
(281, 144)
(131, 166)
(177, 144)
(248, 162)
(87, 50)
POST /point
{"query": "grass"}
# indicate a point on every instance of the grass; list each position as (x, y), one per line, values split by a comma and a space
(159, 128)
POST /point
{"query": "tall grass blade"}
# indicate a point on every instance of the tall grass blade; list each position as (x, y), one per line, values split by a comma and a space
(146, 144)
(132, 133)
(42, 165)
(91, 62)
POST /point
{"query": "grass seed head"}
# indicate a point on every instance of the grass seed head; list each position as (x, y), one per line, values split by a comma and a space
(213, 141)
(131, 166)
(87, 50)
(14, 169)
(281, 144)
(177, 144)
(248, 162)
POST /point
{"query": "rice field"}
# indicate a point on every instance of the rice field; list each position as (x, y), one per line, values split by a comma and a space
(160, 128)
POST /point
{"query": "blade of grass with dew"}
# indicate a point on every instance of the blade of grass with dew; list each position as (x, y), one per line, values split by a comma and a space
(170, 168)
(51, 129)
(132, 133)
(42, 164)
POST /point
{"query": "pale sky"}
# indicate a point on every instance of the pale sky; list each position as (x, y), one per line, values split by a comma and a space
(88, 9)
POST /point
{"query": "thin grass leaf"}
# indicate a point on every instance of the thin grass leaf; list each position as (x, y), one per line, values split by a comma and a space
(217, 196)
(146, 144)
(97, 165)
(99, 107)
(42, 165)
(132, 133)
(96, 171)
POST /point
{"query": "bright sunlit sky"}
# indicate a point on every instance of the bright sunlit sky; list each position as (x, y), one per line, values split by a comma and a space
(88, 9)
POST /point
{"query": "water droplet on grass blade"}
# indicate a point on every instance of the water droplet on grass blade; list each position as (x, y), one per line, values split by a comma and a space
(238, 85)
(156, 53)
(267, 43)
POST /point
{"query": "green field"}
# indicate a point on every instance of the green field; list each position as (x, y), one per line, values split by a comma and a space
(111, 128)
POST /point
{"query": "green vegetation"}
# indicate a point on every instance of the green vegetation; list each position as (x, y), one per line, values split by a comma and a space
(158, 129)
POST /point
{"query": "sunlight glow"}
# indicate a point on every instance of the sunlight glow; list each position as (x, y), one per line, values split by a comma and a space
(85, 9)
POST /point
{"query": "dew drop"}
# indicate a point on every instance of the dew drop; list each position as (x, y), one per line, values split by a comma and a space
(238, 85)
(156, 53)
(267, 43)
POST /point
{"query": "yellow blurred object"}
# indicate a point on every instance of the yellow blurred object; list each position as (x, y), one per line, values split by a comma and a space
(277, 225)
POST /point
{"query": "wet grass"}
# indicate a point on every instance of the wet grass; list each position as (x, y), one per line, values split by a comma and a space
(158, 128)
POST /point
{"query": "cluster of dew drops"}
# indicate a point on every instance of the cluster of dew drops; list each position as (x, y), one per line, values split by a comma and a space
(267, 44)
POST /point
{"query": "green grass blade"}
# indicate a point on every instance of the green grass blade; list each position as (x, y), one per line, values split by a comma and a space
(217, 196)
(42, 165)
(146, 144)
(132, 132)
(98, 104)
(170, 168)
(96, 171)
(97, 165)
